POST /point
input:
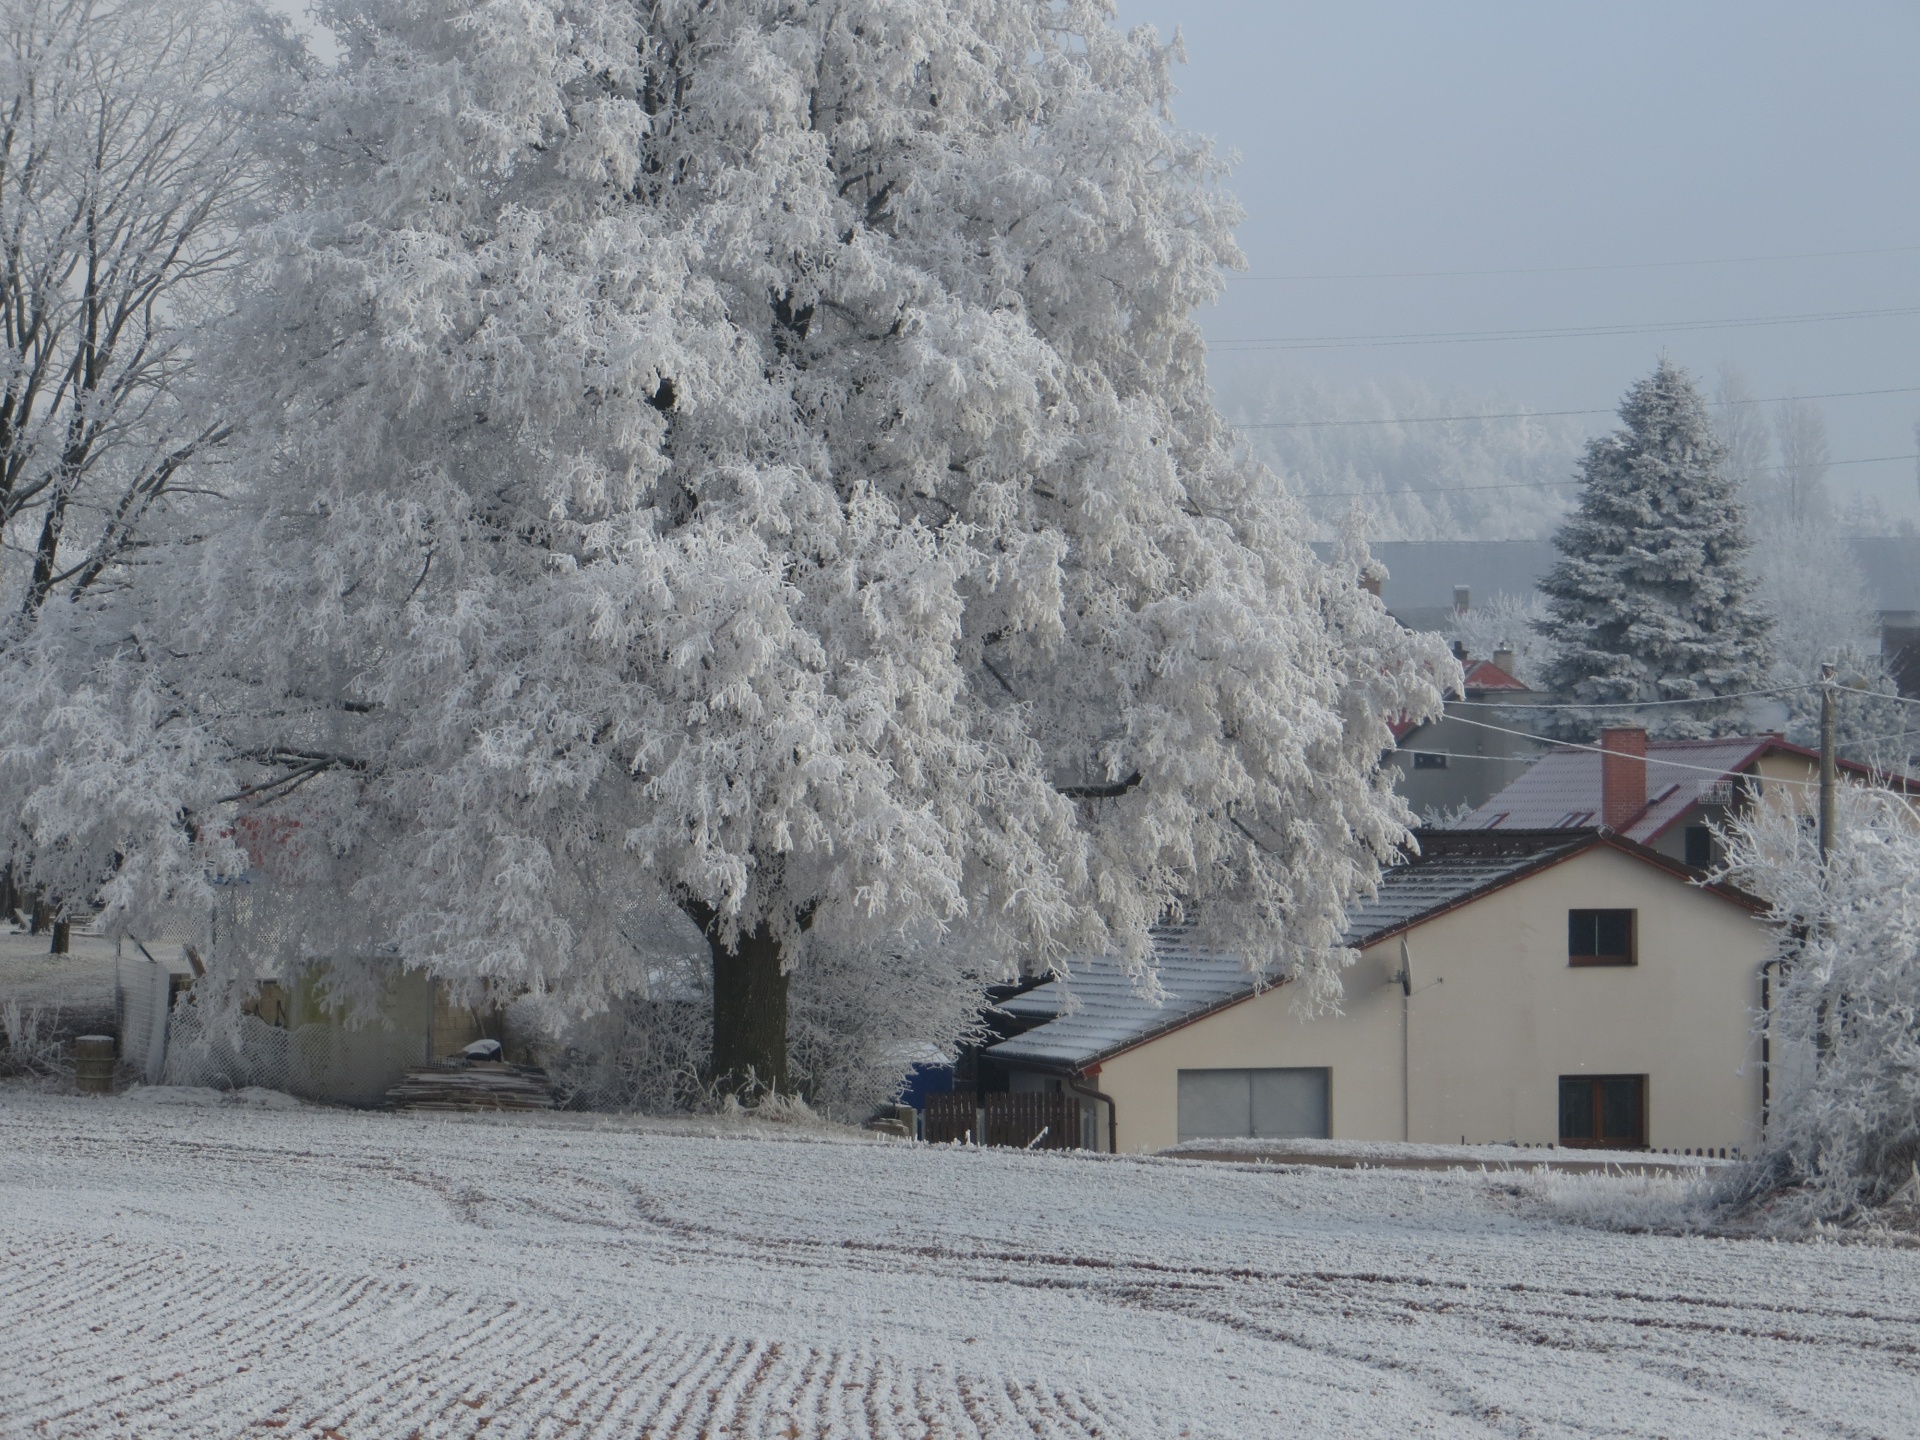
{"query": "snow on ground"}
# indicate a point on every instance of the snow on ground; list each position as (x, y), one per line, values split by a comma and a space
(79, 981)
(213, 1269)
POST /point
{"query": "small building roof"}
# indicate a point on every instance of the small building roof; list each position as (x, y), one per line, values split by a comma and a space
(1562, 787)
(1485, 675)
(1108, 1013)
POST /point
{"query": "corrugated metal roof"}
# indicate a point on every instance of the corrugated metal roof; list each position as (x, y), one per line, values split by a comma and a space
(1113, 1015)
(1562, 787)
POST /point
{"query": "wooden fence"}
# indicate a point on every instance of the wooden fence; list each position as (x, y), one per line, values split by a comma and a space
(1027, 1120)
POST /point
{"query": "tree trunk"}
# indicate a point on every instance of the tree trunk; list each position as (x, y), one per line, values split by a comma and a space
(749, 1015)
(62, 938)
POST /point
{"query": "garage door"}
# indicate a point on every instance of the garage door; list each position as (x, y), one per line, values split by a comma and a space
(1261, 1104)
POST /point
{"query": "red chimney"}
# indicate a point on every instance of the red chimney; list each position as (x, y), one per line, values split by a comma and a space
(1623, 776)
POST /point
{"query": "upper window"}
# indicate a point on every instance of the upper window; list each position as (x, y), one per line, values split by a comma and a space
(1699, 842)
(1428, 760)
(1600, 937)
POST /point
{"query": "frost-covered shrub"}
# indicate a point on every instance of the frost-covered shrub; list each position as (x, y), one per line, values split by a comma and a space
(1844, 1133)
(30, 1042)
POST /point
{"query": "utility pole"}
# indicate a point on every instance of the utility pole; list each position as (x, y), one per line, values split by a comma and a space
(1828, 699)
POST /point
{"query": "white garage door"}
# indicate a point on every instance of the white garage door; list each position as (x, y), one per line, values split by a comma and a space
(1262, 1104)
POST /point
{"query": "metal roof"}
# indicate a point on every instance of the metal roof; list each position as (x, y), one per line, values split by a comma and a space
(1114, 1015)
(1562, 787)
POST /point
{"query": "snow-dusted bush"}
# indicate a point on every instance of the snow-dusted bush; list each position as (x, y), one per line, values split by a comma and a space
(1843, 1135)
(30, 1041)
(1507, 621)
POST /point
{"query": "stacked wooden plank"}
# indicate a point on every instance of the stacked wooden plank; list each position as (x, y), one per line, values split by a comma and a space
(476, 1085)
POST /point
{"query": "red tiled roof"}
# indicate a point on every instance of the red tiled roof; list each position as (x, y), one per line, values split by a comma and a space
(1485, 675)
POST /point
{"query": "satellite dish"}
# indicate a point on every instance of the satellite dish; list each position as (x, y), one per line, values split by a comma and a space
(1405, 977)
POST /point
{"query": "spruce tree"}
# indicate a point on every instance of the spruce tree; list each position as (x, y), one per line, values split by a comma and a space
(1651, 600)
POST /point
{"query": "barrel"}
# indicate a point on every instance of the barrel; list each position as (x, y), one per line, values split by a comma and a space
(93, 1064)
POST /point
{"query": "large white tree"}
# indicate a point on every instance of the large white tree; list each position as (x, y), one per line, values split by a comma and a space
(754, 456)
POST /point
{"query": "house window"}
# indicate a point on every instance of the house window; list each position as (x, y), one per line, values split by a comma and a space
(1260, 1104)
(1606, 1112)
(1699, 847)
(1600, 937)
(1428, 760)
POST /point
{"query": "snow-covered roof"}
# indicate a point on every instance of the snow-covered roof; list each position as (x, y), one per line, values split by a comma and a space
(1454, 868)
(1562, 788)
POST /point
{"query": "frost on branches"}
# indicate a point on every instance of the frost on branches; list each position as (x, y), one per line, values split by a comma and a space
(1843, 1135)
(755, 458)
(1650, 600)
(126, 171)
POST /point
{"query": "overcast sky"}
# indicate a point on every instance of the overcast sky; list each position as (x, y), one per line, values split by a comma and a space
(1391, 138)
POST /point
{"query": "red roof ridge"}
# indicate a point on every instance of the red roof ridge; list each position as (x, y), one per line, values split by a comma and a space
(1485, 675)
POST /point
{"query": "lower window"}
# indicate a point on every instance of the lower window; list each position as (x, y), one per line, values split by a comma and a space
(1280, 1104)
(1607, 1112)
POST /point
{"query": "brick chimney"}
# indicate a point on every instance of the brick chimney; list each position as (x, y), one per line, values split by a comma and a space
(1462, 599)
(1623, 775)
(1503, 656)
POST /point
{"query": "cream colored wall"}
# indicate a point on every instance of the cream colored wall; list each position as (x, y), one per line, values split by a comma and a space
(1498, 1016)
(1361, 1045)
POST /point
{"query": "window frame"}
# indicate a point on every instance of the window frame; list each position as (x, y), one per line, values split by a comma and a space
(1598, 959)
(1595, 1085)
(1429, 759)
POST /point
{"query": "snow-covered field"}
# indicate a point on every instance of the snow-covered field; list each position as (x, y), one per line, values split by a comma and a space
(233, 1270)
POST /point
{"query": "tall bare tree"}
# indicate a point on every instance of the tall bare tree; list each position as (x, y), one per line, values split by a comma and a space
(125, 171)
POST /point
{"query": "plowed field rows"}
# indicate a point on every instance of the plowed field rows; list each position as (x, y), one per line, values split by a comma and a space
(178, 1271)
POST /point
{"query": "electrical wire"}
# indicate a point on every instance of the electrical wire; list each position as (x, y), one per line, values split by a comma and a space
(1642, 704)
(1562, 332)
(1531, 484)
(1588, 269)
(1657, 760)
(1546, 414)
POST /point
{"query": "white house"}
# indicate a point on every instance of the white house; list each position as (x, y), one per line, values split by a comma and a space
(1543, 986)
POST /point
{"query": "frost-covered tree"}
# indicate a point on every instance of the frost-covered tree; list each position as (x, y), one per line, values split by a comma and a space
(1843, 1135)
(754, 457)
(1651, 600)
(127, 167)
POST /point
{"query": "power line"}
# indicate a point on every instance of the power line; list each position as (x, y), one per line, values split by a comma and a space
(1636, 704)
(1542, 414)
(1564, 332)
(1530, 484)
(1588, 269)
(1653, 760)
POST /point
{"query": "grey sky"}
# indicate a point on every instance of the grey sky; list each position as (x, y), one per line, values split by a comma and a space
(1474, 136)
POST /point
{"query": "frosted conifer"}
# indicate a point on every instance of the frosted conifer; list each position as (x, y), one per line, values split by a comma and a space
(754, 458)
(1651, 599)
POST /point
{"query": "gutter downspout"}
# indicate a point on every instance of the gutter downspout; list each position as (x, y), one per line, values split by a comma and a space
(1766, 1045)
(1405, 977)
(1076, 1083)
